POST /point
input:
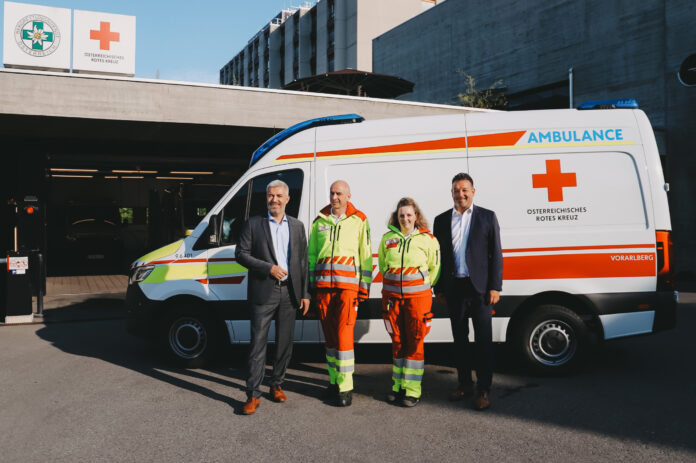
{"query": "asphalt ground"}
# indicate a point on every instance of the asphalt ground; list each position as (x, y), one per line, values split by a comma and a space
(87, 391)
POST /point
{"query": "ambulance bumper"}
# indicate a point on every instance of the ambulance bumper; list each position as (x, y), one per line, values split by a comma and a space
(140, 312)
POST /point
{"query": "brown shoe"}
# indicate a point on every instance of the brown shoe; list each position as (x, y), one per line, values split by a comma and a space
(278, 394)
(463, 392)
(481, 402)
(251, 405)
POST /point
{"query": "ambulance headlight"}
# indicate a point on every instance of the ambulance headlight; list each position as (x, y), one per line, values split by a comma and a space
(140, 273)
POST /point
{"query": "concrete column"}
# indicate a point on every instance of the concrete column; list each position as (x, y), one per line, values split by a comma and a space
(340, 30)
(322, 44)
(305, 42)
(274, 51)
(260, 60)
(288, 49)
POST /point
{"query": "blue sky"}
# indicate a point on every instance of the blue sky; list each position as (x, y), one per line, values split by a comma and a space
(184, 40)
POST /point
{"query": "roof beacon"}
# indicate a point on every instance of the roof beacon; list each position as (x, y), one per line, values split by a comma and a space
(280, 136)
(626, 103)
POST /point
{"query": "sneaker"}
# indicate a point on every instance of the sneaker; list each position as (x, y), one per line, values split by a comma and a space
(394, 397)
(345, 398)
(410, 401)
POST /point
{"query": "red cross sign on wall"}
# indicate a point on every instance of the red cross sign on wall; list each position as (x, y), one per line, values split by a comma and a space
(104, 35)
(554, 180)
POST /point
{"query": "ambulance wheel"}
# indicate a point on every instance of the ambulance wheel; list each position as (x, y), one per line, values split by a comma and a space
(189, 337)
(553, 339)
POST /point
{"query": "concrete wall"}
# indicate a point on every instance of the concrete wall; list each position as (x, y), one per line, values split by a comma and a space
(373, 18)
(618, 49)
(124, 99)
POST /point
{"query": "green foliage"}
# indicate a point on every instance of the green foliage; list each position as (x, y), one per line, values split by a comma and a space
(491, 98)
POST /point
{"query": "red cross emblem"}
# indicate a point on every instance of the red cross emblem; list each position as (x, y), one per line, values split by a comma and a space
(554, 180)
(104, 35)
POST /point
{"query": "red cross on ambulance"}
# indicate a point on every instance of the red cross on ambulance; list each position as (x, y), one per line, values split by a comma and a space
(554, 180)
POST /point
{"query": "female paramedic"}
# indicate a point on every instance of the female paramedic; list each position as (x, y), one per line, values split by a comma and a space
(409, 260)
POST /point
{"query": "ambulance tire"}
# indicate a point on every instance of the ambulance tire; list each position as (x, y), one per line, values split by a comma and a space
(189, 338)
(552, 339)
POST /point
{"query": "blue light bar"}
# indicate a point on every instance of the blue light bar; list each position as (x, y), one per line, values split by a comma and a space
(280, 136)
(626, 103)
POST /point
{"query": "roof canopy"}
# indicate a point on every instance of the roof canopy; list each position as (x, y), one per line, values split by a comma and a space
(353, 82)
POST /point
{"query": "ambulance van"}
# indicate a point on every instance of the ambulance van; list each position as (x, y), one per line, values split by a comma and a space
(579, 194)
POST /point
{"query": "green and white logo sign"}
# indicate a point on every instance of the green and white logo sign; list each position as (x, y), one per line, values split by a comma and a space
(37, 35)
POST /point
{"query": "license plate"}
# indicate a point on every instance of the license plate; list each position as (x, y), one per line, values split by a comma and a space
(95, 256)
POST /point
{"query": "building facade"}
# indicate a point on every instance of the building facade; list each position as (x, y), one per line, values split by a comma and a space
(619, 49)
(327, 36)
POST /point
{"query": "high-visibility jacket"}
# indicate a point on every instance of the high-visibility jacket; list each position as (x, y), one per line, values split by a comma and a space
(409, 266)
(340, 254)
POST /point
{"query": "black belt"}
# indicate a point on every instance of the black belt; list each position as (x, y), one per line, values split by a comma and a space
(282, 282)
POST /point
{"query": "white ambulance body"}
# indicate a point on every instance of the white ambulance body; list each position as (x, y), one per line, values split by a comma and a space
(579, 194)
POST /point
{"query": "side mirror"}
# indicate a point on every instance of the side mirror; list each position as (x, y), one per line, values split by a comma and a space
(214, 230)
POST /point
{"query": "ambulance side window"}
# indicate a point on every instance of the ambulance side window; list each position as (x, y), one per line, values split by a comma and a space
(233, 217)
(292, 177)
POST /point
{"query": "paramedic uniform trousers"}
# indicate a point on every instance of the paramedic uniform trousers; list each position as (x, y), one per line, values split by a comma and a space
(464, 302)
(338, 310)
(408, 322)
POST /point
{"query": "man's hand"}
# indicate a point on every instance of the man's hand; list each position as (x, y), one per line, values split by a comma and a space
(440, 298)
(493, 297)
(278, 273)
(304, 306)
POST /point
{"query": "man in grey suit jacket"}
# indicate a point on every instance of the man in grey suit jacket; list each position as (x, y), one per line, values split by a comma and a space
(273, 247)
(471, 278)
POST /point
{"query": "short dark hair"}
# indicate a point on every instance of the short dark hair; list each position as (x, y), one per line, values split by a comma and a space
(462, 176)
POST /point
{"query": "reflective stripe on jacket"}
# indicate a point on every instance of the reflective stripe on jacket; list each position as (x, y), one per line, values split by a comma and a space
(410, 266)
(340, 254)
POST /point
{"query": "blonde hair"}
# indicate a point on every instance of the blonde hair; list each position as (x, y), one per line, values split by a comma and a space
(420, 219)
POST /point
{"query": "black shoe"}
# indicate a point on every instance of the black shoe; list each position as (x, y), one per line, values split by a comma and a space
(331, 392)
(345, 398)
(410, 401)
(394, 397)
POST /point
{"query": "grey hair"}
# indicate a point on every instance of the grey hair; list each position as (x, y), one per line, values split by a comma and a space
(280, 183)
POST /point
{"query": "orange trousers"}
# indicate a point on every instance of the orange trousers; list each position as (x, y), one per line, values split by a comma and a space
(408, 323)
(338, 310)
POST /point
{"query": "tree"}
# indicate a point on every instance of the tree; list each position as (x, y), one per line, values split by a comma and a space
(491, 98)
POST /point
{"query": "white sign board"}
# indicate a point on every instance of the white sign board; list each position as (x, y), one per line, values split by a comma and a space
(103, 43)
(18, 265)
(36, 36)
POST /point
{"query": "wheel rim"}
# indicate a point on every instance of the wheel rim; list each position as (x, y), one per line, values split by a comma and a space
(553, 342)
(187, 337)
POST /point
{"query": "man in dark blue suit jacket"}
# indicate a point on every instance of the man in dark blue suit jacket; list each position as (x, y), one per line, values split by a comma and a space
(273, 247)
(471, 279)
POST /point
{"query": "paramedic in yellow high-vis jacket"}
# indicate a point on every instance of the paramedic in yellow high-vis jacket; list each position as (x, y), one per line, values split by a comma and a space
(340, 273)
(409, 260)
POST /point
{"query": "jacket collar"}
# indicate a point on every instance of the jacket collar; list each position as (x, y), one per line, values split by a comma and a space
(416, 231)
(350, 210)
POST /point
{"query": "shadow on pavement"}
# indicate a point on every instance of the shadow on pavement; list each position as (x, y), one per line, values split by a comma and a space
(639, 389)
(76, 308)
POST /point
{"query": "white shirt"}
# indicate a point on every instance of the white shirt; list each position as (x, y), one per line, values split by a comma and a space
(461, 224)
(337, 219)
(280, 234)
